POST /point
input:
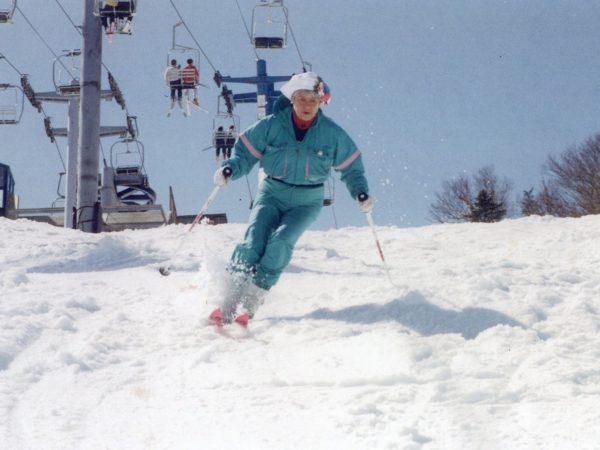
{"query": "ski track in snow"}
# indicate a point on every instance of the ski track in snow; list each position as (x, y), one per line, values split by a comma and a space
(491, 342)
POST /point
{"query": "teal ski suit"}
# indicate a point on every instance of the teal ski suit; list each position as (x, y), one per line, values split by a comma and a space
(291, 197)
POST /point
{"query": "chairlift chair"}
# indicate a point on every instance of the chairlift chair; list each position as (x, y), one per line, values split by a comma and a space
(269, 25)
(225, 130)
(66, 70)
(222, 123)
(59, 201)
(7, 11)
(127, 160)
(12, 102)
(182, 54)
(116, 15)
(131, 181)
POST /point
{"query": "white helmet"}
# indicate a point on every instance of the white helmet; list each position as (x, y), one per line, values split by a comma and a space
(308, 81)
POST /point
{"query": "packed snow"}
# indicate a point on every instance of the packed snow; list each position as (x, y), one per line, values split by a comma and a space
(490, 339)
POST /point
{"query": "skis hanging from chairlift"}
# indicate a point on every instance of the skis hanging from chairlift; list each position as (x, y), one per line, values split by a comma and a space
(116, 16)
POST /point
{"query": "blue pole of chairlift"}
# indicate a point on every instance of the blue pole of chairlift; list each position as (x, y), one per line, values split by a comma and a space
(265, 85)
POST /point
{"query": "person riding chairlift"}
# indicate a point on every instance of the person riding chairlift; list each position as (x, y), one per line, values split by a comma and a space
(191, 77)
(116, 16)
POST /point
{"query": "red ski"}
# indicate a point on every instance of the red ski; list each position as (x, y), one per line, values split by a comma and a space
(216, 319)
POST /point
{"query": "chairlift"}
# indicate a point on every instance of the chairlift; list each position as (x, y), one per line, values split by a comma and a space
(7, 11)
(12, 102)
(131, 181)
(269, 25)
(188, 62)
(66, 70)
(60, 189)
(127, 158)
(225, 131)
(226, 125)
(116, 15)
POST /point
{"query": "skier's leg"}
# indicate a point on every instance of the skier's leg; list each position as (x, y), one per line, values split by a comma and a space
(263, 220)
(179, 96)
(280, 247)
(305, 206)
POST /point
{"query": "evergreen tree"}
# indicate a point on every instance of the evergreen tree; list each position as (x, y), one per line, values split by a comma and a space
(486, 208)
(458, 203)
(529, 204)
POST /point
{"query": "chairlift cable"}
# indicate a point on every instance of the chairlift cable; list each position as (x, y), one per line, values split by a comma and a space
(62, 161)
(192, 35)
(102, 151)
(247, 29)
(78, 29)
(56, 145)
(68, 17)
(3, 56)
(294, 39)
(44, 41)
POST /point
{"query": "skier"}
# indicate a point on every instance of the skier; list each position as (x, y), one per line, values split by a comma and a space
(297, 146)
(190, 77)
(173, 78)
(117, 16)
(230, 141)
(221, 143)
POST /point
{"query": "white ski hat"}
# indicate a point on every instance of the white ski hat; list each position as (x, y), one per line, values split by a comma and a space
(308, 81)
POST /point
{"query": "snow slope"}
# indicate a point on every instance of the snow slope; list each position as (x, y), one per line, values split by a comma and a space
(492, 340)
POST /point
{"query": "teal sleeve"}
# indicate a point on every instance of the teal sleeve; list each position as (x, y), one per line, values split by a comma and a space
(248, 149)
(348, 161)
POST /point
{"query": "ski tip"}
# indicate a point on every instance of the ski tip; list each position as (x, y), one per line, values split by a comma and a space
(242, 320)
(216, 318)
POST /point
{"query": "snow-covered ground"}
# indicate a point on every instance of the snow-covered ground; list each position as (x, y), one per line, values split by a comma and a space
(490, 342)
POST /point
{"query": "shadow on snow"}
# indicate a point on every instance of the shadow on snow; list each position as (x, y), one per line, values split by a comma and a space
(416, 313)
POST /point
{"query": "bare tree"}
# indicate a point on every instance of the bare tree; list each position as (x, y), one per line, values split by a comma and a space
(459, 197)
(574, 180)
(453, 203)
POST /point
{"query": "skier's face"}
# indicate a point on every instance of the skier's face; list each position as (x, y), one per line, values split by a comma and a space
(306, 104)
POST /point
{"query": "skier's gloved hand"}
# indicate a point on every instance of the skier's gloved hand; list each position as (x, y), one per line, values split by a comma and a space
(365, 202)
(222, 175)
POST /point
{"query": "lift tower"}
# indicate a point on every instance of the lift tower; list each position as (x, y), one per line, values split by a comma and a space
(265, 94)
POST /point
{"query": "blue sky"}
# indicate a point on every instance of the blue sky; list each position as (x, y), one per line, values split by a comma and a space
(428, 90)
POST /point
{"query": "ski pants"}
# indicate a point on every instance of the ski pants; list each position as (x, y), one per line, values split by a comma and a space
(280, 214)
(176, 88)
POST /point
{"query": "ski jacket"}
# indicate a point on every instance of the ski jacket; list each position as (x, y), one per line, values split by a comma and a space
(272, 141)
(172, 74)
(190, 74)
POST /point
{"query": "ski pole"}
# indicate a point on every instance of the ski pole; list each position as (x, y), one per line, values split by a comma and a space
(207, 203)
(385, 266)
(166, 270)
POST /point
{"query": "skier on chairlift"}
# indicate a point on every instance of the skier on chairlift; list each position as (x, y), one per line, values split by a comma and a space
(116, 16)
(173, 78)
(191, 77)
(229, 141)
(221, 143)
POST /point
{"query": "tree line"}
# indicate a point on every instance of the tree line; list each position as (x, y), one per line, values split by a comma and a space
(570, 187)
